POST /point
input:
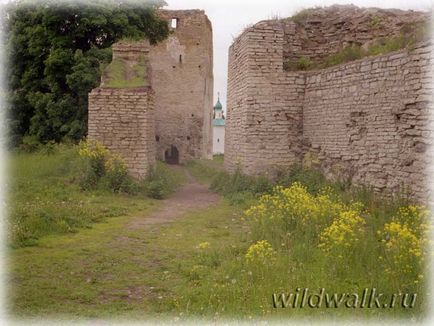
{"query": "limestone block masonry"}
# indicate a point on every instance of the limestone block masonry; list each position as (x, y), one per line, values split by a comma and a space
(318, 32)
(371, 121)
(168, 117)
(368, 121)
(182, 78)
(123, 120)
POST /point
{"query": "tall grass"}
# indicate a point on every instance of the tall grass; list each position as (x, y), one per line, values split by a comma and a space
(233, 264)
(46, 193)
(119, 74)
(161, 181)
(304, 229)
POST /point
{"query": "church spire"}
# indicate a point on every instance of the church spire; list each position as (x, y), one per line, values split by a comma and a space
(218, 105)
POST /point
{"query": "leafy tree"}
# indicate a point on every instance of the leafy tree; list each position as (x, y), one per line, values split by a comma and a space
(56, 51)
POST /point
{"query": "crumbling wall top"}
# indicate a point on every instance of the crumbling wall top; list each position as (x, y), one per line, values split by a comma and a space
(130, 50)
(314, 35)
(185, 17)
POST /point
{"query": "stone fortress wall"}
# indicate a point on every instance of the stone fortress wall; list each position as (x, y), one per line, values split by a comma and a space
(168, 116)
(123, 120)
(316, 33)
(367, 121)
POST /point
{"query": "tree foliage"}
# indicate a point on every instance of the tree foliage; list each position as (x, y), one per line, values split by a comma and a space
(56, 51)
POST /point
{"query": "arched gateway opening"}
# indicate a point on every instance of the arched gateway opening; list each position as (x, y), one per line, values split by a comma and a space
(171, 156)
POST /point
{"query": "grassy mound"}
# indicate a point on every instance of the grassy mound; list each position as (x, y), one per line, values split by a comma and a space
(122, 74)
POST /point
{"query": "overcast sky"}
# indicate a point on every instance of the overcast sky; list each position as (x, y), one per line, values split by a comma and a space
(229, 17)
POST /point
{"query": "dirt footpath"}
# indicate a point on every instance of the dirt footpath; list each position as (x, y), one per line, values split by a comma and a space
(192, 195)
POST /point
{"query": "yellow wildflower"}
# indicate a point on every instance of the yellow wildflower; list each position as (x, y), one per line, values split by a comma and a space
(261, 253)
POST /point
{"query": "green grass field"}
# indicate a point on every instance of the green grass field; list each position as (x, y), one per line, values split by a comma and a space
(193, 267)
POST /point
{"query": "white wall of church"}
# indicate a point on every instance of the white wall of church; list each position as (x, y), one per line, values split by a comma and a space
(218, 142)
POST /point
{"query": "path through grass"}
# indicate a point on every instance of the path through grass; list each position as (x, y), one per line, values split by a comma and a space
(176, 259)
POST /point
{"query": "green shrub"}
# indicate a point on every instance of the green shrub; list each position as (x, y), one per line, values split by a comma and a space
(156, 189)
(30, 144)
(383, 46)
(304, 63)
(161, 181)
(45, 198)
(241, 199)
(116, 175)
(410, 34)
(239, 183)
(95, 154)
(348, 53)
(219, 181)
(102, 169)
(46, 194)
(88, 179)
(312, 179)
(261, 184)
(19, 234)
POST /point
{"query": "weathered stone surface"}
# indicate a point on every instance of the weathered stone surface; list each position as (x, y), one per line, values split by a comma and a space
(367, 121)
(381, 134)
(175, 111)
(316, 33)
(123, 120)
(182, 78)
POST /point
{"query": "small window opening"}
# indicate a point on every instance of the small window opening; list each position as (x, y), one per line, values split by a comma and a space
(157, 138)
(188, 137)
(180, 58)
(218, 140)
(174, 23)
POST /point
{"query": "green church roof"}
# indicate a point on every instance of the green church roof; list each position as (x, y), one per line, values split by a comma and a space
(218, 122)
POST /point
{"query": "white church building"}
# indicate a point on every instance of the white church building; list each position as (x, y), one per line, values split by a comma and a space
(218, 129)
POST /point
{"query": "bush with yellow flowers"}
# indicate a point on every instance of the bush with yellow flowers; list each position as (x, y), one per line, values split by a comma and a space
(116, 172)
(95, 154)
(103, 167)
(405, 243)
(341, 237)
(261, 253)
(286, 210)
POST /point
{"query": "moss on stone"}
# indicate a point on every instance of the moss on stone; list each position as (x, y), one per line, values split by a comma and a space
(407, 37)
(122, 74)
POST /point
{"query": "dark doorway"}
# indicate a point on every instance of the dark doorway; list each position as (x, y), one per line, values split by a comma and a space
(171, 156)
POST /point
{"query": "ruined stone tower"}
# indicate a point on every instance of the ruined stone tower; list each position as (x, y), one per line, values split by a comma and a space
(182, 79)
(155, 101)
